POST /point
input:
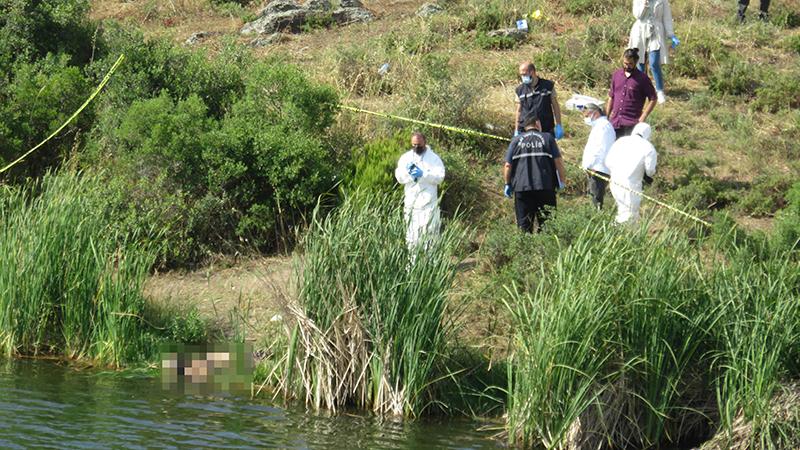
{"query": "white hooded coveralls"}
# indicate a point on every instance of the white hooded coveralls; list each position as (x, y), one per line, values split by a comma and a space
(628, 160)
(652, 28)
(421, 197)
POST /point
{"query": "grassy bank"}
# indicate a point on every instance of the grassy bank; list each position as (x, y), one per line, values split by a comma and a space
(372, 318)
(634, 340)
(70, 284)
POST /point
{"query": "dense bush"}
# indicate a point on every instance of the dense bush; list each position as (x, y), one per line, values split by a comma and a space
(787, 223)
(486, 42)
(765, 196)
(699, 55)
(38, 98)
(246, 179)
(733, 77)
(374, 164)
(29, 30)
(780, 92)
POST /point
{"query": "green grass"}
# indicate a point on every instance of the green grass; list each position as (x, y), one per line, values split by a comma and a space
(637, 340)
(69, 284)
(373, 316)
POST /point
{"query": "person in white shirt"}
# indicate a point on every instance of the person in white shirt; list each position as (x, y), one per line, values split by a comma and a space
(420, 171)
(650, 33)
(631, 160)
(601, 138)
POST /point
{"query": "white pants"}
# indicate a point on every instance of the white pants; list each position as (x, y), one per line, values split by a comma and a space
(627, 203)
(422, 224)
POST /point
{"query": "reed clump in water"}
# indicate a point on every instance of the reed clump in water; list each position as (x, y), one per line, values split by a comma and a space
(69, 284)
(641, 341)
(372, 316)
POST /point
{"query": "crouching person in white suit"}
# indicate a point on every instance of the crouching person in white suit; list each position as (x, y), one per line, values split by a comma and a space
(420, 171)
(631, 161)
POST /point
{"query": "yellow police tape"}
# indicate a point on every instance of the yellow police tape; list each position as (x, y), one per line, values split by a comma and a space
(505, 139)
(71, 118)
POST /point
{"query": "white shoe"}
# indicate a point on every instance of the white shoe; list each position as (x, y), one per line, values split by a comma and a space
(661, 97)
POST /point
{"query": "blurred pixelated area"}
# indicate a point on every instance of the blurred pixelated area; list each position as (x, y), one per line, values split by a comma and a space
(207, 369)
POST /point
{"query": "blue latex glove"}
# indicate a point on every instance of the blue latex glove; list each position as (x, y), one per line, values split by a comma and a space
(507, 191)
(559, 131)
(561, 184)
(516, 133)
(416, 173)
(675, 41)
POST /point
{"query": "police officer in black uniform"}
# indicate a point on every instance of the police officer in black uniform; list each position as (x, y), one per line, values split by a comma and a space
(533, 170)
(537, 96)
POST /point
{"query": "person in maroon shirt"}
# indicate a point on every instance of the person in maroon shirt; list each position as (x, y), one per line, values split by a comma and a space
(630, 87)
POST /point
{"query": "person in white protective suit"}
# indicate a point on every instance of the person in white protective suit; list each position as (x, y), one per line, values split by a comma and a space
(631, 161)
(420, 171)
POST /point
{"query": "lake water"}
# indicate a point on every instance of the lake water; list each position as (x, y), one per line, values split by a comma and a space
(48, 405)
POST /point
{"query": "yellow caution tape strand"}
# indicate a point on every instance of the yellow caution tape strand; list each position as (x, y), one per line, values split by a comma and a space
(505, 139)
(72, 117)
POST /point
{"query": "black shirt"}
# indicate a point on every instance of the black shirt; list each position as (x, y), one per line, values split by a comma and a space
(537, 99)
(532, 157)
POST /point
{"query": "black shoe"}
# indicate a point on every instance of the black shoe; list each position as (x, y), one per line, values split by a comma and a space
(740, 14)
(762, 16)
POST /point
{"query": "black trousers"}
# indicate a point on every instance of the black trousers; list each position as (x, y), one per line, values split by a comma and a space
(624, 131)
(530, 205)
(744, 3)
(597, 189)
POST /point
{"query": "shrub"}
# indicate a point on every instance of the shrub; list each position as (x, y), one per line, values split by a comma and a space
(157, 65)
(780, 92)
(792, 43)
(765, 196)
(39, 98)
(734, 77)
(694, 189)
(374, 164)
(242, 182)
(486, 42)
(699, 55)
(787, 221)
(31, 30)
(589, 7)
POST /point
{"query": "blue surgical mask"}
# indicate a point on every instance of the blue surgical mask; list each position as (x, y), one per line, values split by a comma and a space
(526, 79)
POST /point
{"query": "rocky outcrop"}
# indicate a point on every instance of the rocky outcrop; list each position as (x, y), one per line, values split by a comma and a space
(289, 16)
(344, 16)
(318, 5)
(279, 6)
(290, 21)
(429, 9)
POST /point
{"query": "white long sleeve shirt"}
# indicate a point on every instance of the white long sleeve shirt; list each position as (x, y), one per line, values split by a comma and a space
(424, 192)
(629, 159)
(652, 29)
(601, 138)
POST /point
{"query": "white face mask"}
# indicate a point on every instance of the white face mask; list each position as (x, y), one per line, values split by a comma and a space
(588, 121)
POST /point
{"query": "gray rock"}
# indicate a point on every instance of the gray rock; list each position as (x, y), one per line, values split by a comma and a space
(279, 6)
(200, 36)
(290, 21)
(344, 16)
(317, 5)
(350, 4)
(265, 41)
(429, 9)
(509, 32)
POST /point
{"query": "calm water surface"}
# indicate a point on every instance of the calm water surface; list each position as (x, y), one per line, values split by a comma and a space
(46, 405)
